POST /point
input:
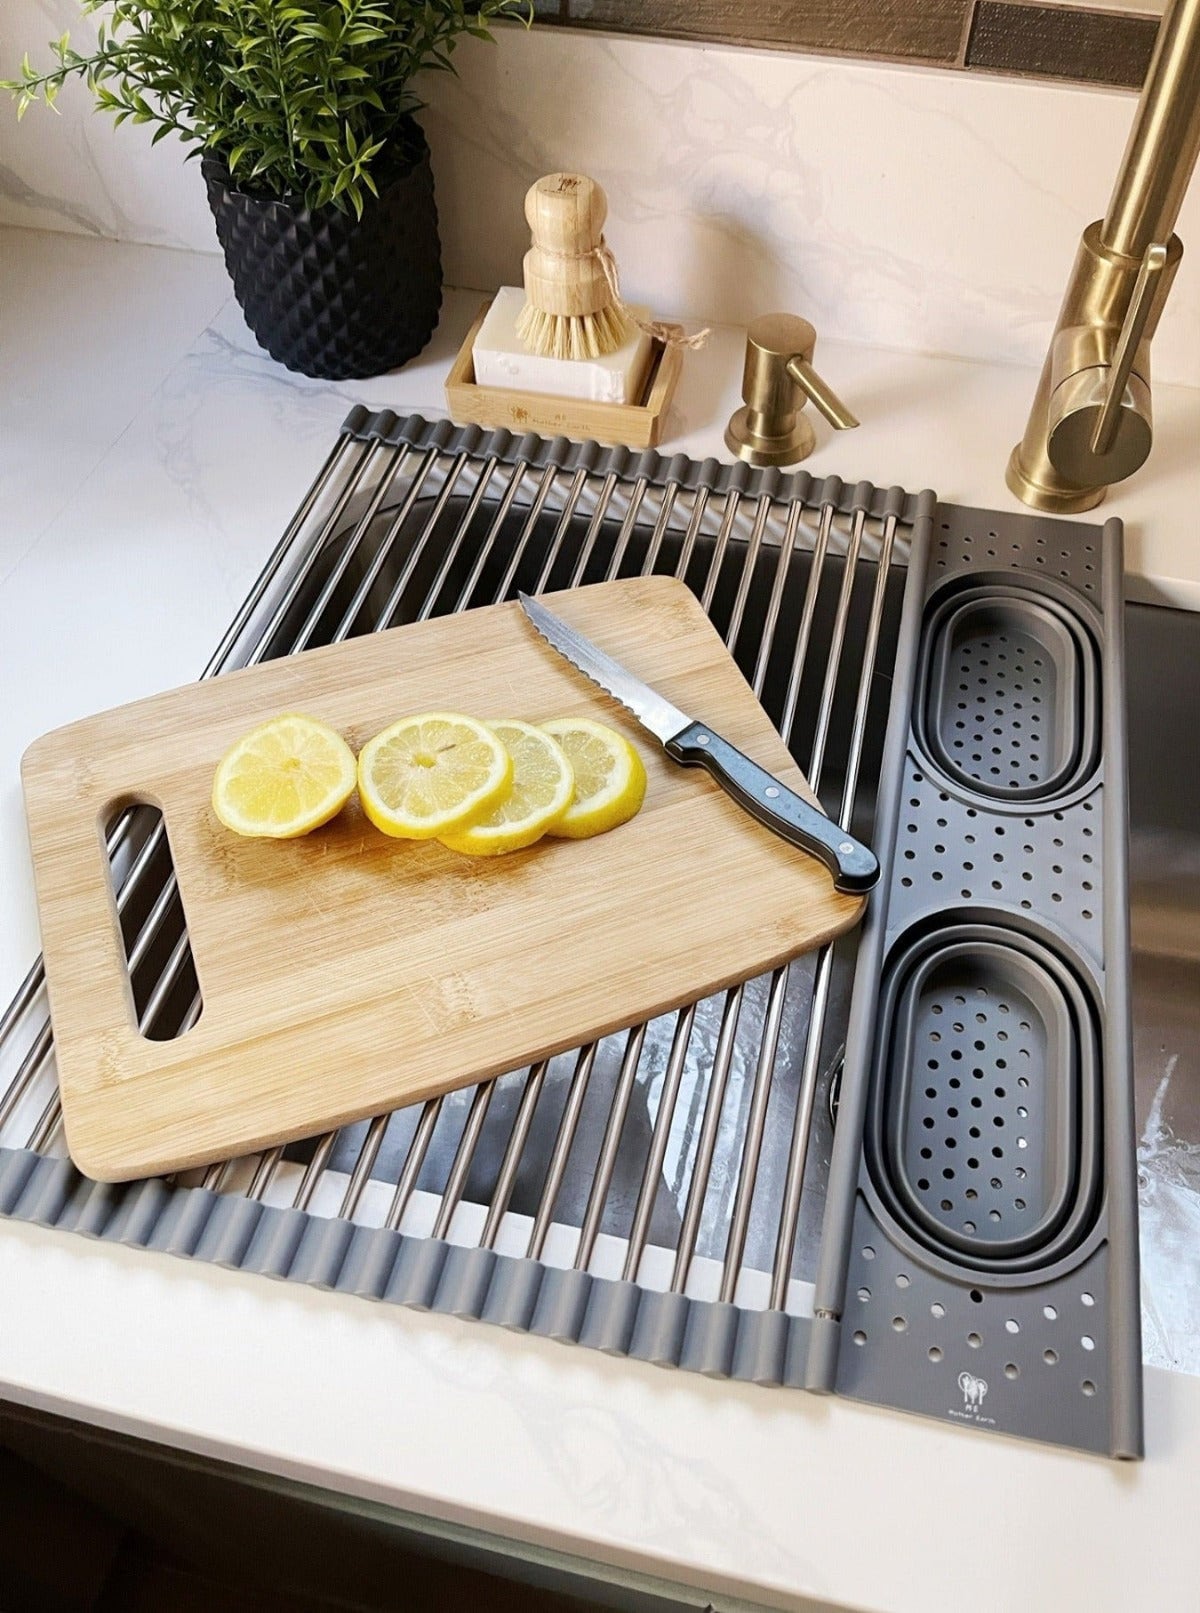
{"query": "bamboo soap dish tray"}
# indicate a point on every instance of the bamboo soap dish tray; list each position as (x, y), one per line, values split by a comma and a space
(635, 425)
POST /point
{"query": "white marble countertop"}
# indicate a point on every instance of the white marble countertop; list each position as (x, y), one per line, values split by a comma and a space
(149, 457)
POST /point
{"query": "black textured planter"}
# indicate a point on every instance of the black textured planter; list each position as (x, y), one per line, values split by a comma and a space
(329, 294)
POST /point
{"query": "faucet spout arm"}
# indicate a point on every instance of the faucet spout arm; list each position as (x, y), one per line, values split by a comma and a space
(1090, 424)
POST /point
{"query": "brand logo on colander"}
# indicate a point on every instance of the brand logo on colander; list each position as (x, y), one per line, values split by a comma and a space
(973, 1390)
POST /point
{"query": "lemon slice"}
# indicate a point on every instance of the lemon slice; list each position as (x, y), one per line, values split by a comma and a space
(431, 773)
(542, 789)
(610, 779)
(283, 779)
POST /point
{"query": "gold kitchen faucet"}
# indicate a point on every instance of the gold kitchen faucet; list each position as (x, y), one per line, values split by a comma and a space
(1091, 421)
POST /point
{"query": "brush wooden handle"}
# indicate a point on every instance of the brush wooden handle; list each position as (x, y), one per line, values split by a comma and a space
(566, 214)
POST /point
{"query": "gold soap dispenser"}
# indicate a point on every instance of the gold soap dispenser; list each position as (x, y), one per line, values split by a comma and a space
(777, 382)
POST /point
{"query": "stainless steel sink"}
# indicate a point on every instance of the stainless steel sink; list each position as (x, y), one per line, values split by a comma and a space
(582, 1150)
(1163, 658)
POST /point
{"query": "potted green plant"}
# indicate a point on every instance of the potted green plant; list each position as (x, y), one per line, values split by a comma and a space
(318, 174)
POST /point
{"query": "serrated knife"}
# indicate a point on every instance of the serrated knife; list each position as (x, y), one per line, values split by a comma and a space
(693, 744)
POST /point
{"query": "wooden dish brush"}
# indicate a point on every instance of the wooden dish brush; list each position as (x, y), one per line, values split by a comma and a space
(573, 307)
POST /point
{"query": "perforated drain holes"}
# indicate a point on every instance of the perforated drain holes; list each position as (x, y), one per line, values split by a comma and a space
(1011, 706)
(985, 1166)
(158, 953)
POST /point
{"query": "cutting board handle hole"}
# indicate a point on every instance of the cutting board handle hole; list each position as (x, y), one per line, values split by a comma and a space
(158, 953)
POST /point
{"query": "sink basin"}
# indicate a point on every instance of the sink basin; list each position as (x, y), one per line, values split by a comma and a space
(570, 1157)
(1163, 659)
(1163, 651)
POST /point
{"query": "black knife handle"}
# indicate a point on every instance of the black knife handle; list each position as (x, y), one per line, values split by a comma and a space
(853, 865)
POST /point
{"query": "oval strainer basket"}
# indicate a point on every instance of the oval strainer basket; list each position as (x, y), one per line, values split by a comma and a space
(1011, 708)
(984, 1131)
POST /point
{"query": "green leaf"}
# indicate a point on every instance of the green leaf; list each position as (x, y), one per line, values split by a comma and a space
(302, 95)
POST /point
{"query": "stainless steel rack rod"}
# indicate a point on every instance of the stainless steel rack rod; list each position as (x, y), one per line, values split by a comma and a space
(652, 1171)
(731, 1012)
(789, 1217)
(802, 1120)
(556, 1169)
(610, 1145)
(510, 1164)
(593, 530)
(714, 1103)
(760, 1093)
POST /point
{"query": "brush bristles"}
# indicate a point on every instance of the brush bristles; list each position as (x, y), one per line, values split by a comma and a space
(578, 336)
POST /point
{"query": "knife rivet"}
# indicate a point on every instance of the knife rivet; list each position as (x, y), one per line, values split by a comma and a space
(846, 847)
(702, 739)
(771, 791)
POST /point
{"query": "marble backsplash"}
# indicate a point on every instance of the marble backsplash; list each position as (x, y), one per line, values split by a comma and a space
(903, 207)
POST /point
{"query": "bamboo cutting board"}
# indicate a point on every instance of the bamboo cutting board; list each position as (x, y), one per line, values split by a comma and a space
(344, 974)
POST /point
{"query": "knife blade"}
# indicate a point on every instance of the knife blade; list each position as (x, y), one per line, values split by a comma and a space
(693, 744)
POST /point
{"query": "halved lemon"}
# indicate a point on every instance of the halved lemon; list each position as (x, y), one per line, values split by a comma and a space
(432, 773)
(610, 778)
(542, 789)
(283, 779)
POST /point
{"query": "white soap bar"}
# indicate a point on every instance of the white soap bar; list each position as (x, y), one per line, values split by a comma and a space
(501, 360)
